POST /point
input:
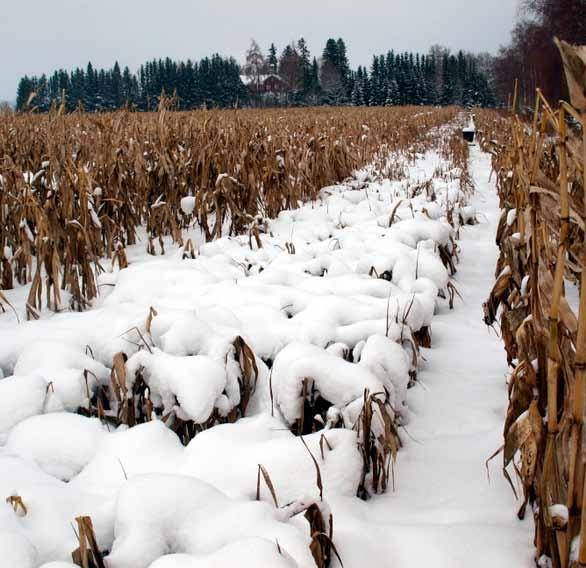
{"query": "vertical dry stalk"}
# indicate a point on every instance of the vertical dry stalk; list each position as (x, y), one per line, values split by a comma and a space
(87, 555)
(541, 179)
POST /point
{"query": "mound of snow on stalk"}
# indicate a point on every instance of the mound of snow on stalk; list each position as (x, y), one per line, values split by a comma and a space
(391, 364)
(22, 397)
(188, 386)
(72, 373)
(337, 381)
(159, 514)
(61, 444)
(263, 440)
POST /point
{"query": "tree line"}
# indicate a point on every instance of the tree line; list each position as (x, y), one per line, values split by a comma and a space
(213, 81)
(532, 57)
(292, 77)
(439, 78)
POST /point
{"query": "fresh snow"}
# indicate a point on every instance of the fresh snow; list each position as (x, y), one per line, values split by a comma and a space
(60, 443)
(318, 316)
(445, 511)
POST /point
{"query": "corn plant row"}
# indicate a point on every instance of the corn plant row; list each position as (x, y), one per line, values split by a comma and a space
(74, 189)
(541, 179)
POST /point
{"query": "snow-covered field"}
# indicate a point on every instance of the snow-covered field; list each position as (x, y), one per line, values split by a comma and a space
(236, 351)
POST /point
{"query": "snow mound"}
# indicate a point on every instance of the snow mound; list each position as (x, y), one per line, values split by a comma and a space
(245, 553)
(188, 386)
(22, 397)
(162, 514)
(63, 366)
(128, 452)
(390, 363)
(339, 382)
(263, 440)
(61, 444)
(17, 551)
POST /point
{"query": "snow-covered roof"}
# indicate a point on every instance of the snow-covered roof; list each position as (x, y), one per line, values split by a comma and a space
(250, 79)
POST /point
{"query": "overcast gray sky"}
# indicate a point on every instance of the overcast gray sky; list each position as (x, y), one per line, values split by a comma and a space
(38, 36)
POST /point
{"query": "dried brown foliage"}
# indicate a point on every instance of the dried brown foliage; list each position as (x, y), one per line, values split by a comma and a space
(541, 175)
(88, 554)
(75, 188)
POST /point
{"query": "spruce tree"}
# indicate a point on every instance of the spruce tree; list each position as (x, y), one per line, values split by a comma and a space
(90, 89)
(305, 57)
(356, 86)
(376, 85)
(42, 100)
(330, 76)
(343, 65)
(272, 59)
(24, 90)
(116, 87)
(449, 77)
(314, 90)
(128, 95)
(330, 53)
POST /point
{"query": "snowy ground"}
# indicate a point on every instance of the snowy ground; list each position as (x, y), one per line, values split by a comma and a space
(308, 305)
(444, 512)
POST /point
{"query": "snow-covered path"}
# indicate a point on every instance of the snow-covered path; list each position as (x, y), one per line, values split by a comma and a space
(444, 512)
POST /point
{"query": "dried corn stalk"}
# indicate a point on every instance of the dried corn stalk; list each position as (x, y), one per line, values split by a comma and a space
(541, 179)
(75, 188)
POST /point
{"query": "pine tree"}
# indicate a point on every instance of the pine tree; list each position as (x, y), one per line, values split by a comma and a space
(272, 60)
(128, 96)
(431, 81)
(460, 73)
(102, 91)
(54, 92)
(449, 77)
(89, 93)
(116, 87)
(330, 53)
(392, 93)
(23, 93)
(305, 57)
(343, 65)
(42, 100)
(358, 95)
(330, 76)
(315, 88)
(376, 83)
